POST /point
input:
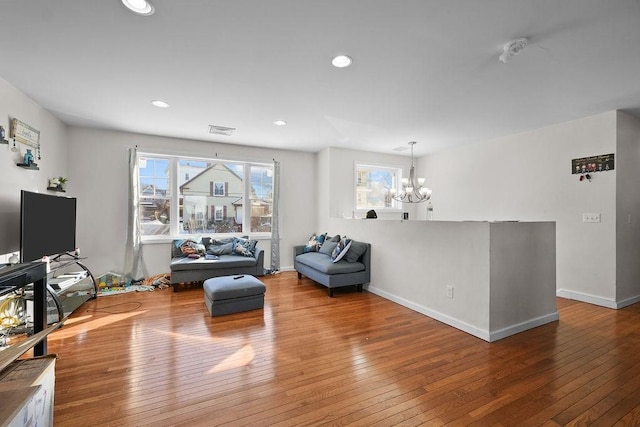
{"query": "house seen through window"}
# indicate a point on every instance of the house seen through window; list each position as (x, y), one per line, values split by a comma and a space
(182, 196)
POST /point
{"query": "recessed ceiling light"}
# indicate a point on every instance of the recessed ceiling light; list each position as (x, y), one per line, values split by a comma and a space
(141, 7)
(159, 103)
(280, 123)
(342, 61)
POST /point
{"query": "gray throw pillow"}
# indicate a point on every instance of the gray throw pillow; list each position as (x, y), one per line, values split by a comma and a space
(355, 251)
(328, 247)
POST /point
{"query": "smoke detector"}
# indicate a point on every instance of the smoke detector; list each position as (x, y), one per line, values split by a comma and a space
(513, 48)
(220, 130)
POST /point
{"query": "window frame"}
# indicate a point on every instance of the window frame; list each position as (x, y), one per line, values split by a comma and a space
(357, 166)
(175, 198)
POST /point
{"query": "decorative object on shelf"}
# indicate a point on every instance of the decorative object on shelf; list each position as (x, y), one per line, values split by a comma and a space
(28, 161)
(25, 134)
(412, 191)
(57, 184)
(513, 48)
(28, 157)
(2, 135)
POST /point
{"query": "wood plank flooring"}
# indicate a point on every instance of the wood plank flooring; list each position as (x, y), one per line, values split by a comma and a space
(157, 358)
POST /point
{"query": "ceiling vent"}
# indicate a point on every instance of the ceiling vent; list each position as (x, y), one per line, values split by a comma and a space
(220, 130)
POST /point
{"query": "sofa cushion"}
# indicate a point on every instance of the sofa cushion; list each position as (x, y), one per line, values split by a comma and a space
(355, 251)
(315, 242)
(325, 264)
(244, 247)
(224, 261)
(327, 247)
(341, 249)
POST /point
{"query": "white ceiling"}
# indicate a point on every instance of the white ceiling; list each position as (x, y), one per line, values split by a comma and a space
(423, 70)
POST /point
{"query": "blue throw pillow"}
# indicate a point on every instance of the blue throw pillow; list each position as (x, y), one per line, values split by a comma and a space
(315, 242)
(341, 249)
(244, 247)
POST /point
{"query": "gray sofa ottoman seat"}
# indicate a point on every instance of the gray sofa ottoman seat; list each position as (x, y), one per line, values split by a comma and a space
(233, 294)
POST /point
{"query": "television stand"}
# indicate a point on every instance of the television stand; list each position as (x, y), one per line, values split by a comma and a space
(72, 284)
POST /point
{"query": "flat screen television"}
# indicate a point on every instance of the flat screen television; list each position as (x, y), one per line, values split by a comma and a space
(47, 225)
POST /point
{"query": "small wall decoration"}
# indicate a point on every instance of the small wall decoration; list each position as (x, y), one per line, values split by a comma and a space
(25, 134)
(586, 165)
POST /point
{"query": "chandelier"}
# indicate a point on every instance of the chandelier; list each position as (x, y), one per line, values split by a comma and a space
(412, 187)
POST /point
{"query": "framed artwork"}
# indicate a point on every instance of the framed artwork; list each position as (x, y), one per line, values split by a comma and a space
(24, 133)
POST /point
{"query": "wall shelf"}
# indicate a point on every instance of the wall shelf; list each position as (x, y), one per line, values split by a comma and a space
(4, 141)
(56, 189)
(25, 166)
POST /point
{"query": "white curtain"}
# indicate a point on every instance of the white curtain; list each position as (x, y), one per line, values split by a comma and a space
(133, 265)
(275, 219)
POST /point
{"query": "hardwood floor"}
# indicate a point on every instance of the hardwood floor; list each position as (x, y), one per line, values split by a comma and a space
(158, 359)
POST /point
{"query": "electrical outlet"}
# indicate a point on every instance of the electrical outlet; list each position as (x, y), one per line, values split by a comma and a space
(590, 217)
(449, 291)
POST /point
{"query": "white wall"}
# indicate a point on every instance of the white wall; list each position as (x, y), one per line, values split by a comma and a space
(502, 274)
(528, 177)
(628, 210)
(99, 174)
(53, 162)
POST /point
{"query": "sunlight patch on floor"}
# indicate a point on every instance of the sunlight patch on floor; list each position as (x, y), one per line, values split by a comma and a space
(70, 330)
(240, 358)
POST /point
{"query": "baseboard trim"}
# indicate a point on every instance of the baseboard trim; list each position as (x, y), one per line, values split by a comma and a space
(596, 300)
(521, 327)
(588, 298)
(465, 327)
(627, 302)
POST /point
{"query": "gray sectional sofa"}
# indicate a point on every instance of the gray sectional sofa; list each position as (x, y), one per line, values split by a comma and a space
(353, 269)
(228, 262)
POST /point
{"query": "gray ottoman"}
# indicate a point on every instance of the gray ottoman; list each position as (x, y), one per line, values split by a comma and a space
(233, 294)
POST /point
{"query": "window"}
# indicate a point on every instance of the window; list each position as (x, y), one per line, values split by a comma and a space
(219, 213)
(155, 195)
(214, 196)
(219, 189)
(373, 184)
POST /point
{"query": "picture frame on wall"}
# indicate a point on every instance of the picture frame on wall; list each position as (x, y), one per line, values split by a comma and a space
(24, 133)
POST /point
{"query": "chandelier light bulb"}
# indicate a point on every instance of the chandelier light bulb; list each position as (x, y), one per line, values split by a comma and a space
(141, 7)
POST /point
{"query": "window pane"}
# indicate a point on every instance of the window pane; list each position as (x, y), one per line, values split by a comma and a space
(211, 199)
(372, 186)
(261, 198)
(155, 197)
